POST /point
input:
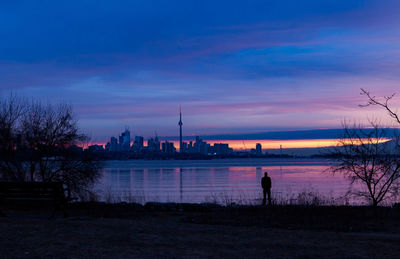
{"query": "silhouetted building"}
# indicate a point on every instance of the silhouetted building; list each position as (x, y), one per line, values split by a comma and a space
(125, 140)
(153, 145)
(138, 143)
(96, 148)
(157, 143)
(222, 149)
(168, 147)
(112, 145)
(184, 148)
(258, 149)
(200, 146)
(190, 146)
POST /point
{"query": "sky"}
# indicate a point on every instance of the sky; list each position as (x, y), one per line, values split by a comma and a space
(235, 67)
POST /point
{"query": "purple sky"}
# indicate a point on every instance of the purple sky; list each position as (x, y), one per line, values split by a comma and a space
(234, 66)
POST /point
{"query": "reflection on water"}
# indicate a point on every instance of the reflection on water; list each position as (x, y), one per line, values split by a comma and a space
(202, 181)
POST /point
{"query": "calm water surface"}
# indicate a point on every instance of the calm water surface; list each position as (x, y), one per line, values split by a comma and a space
(223, 181)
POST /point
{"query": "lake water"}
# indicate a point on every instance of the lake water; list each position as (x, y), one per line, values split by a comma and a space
(223, 181)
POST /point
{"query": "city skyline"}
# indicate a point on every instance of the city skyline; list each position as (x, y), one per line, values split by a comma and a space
(296, 139)
(255, 142)
(124, 143)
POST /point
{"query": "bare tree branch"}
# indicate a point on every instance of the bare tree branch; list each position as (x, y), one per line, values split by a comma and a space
(372, 100)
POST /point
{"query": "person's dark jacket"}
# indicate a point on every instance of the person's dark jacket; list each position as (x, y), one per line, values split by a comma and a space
(266, 182)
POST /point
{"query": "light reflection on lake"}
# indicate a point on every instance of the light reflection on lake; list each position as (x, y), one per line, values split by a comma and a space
(235, 180)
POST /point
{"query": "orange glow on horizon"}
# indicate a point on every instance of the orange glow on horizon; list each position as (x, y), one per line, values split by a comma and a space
(266, 143)
(275, 144)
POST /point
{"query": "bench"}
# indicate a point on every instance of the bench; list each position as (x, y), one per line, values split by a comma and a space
(27, 193)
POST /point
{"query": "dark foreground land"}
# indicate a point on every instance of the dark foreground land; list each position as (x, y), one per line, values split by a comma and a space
(96, 230)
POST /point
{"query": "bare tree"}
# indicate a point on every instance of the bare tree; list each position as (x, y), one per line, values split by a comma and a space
(35, 145)
(366, 156)
(11, 111)
(370, 155)
(372, 100)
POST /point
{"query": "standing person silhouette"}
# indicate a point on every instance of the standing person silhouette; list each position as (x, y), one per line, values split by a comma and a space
(266, 185)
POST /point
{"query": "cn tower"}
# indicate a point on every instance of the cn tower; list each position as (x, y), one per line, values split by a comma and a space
(180, 123)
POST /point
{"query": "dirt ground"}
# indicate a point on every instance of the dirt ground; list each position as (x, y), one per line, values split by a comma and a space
(166, 234)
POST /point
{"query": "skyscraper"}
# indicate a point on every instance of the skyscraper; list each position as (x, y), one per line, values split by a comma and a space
(125, 140)
(180, 123)
(258, 149)
(168, 147)
(114, 144)
(138, 143)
